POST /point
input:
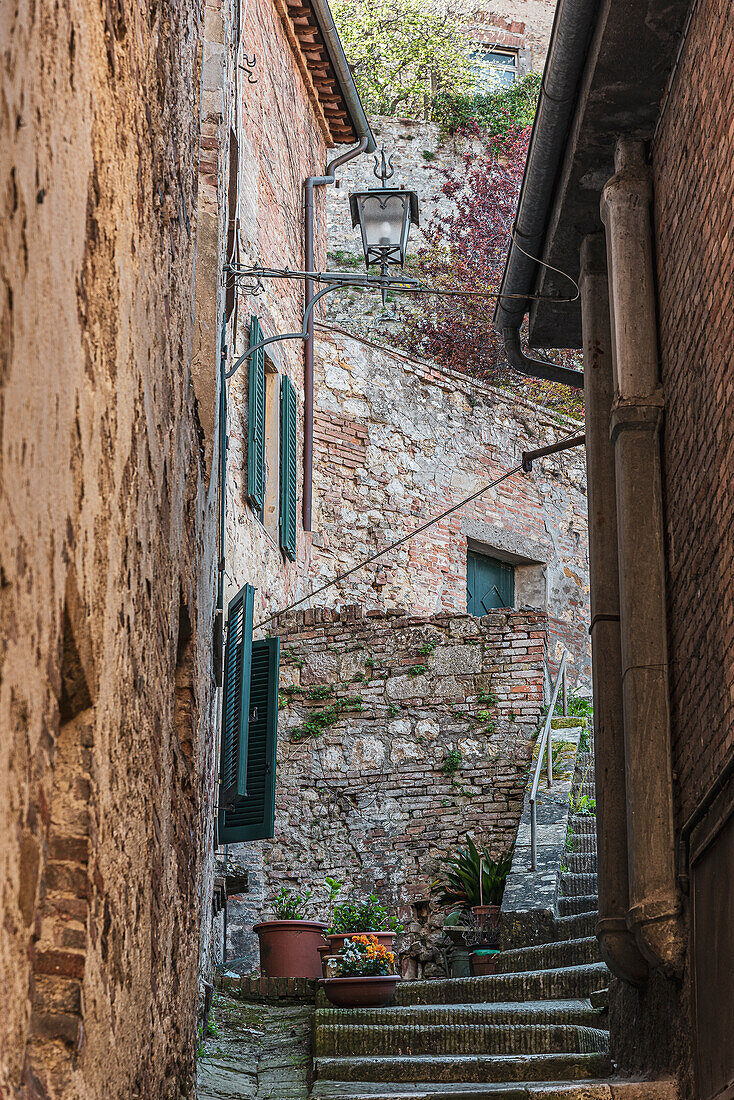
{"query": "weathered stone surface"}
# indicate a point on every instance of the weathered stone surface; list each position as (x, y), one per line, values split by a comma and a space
(423, 439)
(258, 1052)
(376, 800)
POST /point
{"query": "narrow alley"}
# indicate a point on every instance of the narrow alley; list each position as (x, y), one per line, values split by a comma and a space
(366, 555)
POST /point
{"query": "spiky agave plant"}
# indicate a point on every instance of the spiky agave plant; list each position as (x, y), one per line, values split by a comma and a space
(458, 886)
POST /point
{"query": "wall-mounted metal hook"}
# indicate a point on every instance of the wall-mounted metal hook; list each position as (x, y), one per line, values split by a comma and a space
(384, 170)
(249, 65)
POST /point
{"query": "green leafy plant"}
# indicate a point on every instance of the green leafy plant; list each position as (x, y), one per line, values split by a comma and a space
(321, 691)
(488, 698)
(393, 709)
(576, 707)
(427, 649)
(493, 113)
(402, 52)
(451, 762)
(322, 719)
(362, 916)
(459, 884)
(583, 804)
(428, 155)
(291, 906)
(416, 670)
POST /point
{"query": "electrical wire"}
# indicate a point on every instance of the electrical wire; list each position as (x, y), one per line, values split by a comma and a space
(392, 546)
(562, 444)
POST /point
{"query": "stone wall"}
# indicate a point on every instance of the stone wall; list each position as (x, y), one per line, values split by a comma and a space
(106, 554)
(397, 441)
(373, 704)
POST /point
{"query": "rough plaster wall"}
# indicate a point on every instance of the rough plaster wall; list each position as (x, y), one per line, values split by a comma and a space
(367, 801)
(105, 760)
(396, 442)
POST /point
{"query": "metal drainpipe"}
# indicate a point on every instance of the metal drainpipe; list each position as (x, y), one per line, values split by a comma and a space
(618, 947)
(311, 183)
(636, 422)
(537, 368)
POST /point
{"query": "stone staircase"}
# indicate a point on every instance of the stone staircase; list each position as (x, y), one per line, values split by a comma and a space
(516, 1032)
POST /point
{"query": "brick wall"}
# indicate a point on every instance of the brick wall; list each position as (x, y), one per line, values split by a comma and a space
(106, 555)
(694, 181)
(367, 800)
(396, 442)
(280, 145)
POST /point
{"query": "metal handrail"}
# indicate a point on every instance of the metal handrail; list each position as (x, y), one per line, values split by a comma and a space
(546, 742)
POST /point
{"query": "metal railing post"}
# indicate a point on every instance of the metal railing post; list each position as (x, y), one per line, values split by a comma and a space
(545, 745)
(532, 835)
(565, 695)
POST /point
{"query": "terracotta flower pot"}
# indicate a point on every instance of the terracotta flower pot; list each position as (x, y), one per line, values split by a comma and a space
(484, 914)
(363, 992)
(483, 962)
(336, 941)
(289, 948)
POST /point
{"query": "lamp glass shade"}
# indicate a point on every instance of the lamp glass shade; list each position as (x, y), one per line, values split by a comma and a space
(384, 219)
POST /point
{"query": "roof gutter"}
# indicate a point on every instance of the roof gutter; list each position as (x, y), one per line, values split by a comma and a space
(572, 29)
(343, 73)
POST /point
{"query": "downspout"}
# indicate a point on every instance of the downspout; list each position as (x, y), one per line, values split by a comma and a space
(537, 368)
(636, 423)
(366, 144)
(618, 947)
(572, 28)
(311, 183)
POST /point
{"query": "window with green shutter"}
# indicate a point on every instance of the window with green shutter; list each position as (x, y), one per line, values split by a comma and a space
(236, 697)
(288, 468)
(256, 426)
(252, 816)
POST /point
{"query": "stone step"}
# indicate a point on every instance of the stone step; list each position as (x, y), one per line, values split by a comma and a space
(348, 1040)
(573, 885)
(588, 788)
(581, 862)
(572, 1011)
(548, 956)
(583, 824)
(576, 926)
(614, 1089)
(581, 843)
(583, 904)
(452, 1067)
(539, 985)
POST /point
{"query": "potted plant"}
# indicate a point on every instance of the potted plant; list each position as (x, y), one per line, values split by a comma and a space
(355, 918)
(474, 882)
(366, 975)
(289, 944)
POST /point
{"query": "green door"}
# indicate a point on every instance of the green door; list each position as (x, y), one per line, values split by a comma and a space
(489, 584)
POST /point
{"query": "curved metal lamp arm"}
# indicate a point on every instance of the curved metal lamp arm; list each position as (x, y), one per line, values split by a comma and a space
(303, 335)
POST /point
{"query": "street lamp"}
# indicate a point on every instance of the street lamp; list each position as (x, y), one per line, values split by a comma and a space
(384, 216)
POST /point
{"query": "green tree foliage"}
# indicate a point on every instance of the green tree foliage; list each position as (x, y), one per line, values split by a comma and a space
(404, 54)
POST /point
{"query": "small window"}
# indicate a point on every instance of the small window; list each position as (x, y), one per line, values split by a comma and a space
(490, 583)
(493, 69)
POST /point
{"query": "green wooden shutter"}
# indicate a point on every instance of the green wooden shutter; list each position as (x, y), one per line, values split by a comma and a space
(288, 468)
(256, 426)
(253, 816)
(236, 697)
